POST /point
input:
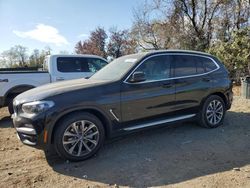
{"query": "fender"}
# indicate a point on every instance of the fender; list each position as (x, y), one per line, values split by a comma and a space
(51, 120)
(20, 88)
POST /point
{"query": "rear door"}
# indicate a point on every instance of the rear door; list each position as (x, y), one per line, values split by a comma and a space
(150, 98)
(192, 82)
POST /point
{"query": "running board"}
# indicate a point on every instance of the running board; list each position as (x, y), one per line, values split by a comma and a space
(159, 122)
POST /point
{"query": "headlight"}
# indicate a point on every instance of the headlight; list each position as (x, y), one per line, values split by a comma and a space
(37, 107)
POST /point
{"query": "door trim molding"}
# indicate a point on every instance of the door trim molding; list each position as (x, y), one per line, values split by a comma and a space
(159, 122)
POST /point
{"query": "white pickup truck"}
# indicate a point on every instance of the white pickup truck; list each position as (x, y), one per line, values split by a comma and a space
(55, 68)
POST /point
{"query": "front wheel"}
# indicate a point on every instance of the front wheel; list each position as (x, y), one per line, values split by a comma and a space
(79, 136)
(212, 113)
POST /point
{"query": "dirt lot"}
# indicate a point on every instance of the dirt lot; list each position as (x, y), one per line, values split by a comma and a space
(178, 156)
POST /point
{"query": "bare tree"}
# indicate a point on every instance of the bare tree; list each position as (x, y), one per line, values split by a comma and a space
(235, 15)
(199, 17)
(21, 54)
(120, 43)
(15, 56)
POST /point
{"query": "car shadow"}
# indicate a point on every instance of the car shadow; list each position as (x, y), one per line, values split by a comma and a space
(167, 155)
(6, 122)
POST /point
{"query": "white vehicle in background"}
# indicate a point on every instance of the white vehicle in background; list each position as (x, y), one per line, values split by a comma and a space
(14, 81)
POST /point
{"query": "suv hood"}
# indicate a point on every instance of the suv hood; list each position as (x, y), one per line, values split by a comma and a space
(52, 89)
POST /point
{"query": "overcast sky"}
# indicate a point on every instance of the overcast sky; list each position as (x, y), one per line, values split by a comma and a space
(59, 23)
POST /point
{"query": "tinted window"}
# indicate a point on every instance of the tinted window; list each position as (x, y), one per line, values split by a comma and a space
(209, 65)
(184, 65)
(199, 65)
(96, 64)
(69, 64)
(156, 68)
(72, 64)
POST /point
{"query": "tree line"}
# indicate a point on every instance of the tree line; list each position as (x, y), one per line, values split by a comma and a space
(17, 56)
(220, 27)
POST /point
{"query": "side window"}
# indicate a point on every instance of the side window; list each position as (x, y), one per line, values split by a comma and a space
(84, 64)
(96, 64)
(209, 65)
(68, 64)
(156, 68)
(199, 65)
(184, 65)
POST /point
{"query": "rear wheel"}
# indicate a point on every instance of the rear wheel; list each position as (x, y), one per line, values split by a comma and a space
(79, 136)
(213, 112)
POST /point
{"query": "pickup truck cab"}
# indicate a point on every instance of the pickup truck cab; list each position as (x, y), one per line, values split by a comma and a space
(55, 68)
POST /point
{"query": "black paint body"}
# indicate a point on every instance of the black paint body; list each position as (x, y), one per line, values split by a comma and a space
(132, 104)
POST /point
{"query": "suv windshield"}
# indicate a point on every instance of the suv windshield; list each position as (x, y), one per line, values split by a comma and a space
(117, 68)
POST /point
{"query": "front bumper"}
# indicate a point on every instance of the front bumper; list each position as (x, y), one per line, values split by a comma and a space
(30, 131)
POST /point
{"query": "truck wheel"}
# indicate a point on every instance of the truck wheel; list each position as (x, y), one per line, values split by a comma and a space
(212, 113)
(10, 107)
(79, 136)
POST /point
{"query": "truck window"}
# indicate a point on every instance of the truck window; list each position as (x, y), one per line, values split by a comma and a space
(96, 64)
(69, 64)
(80, 64)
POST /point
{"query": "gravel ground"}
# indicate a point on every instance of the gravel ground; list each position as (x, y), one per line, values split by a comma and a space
(183, 155)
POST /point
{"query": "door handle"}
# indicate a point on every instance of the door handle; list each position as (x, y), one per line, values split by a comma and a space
(4, 80)
(167, 85)
(60, 79)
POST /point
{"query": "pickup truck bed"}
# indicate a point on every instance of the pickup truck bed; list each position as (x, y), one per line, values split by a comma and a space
(19, 85)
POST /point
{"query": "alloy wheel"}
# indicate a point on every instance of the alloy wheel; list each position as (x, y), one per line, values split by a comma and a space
(214, 112)
(80, 138)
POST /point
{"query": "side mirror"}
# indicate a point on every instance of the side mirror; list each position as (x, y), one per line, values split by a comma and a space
(137, 77)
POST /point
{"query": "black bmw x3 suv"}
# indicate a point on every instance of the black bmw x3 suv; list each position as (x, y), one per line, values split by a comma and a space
(131, 93)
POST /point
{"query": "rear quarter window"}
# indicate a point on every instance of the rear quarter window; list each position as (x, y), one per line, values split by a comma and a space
(188, 65)
(209, 65)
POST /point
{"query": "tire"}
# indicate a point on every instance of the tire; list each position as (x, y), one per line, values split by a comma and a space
(212, 113)
(72, 132)
(10, 107)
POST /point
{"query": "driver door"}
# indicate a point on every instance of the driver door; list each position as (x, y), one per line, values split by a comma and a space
(153, 97)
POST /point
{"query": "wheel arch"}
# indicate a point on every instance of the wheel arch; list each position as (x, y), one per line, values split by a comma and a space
(98, 113)
(16, 90)
(218, 93)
